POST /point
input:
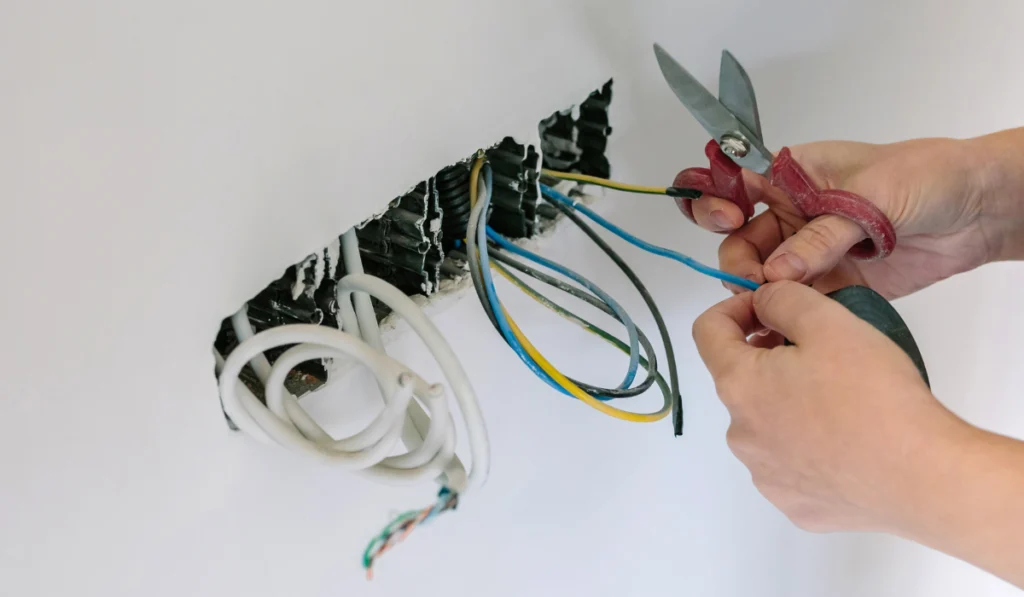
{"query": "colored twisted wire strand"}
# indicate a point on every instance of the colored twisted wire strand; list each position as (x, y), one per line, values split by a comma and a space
(398, 529)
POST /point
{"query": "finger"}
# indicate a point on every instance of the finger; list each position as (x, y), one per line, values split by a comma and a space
(774, 197)
(743, 252)
(799, 312)
(721, 333)
(717, 214)
(843, 275)
(814, 250)
(732, 216)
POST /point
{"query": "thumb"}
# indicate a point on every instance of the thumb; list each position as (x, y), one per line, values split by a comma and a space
(814, 250)
(798, 312)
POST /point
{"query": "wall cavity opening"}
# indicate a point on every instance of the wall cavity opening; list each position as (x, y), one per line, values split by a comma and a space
(415, 243)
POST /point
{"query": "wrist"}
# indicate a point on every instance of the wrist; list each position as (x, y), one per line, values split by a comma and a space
(964, 498)
(996, 164)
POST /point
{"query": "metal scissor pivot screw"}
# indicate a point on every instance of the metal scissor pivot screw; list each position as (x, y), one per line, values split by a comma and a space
(734, 145)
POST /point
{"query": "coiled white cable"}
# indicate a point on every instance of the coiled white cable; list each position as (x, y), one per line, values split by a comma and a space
(430, 439)
(417, 422)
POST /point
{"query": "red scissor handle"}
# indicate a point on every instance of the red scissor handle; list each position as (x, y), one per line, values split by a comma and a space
(725, 179)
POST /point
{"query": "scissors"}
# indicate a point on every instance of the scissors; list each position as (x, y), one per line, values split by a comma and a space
(733, 122)
(735, 127)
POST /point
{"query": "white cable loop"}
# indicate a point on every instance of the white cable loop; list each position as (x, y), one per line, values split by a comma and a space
(287, 424)
(431, 450)
(458, 380)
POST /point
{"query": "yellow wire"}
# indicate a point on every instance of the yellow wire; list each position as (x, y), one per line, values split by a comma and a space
(604, 182)
(474, 174)
(546, 365)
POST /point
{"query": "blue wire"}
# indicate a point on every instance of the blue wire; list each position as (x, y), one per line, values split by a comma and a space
(492, 295)
(634, 338)
(554, 195)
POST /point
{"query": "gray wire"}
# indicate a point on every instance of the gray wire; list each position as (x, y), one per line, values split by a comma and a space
(650, 364)
(498, 254)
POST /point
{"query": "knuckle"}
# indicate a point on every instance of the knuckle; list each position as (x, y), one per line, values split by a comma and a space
(698, 326)
(740, 442)
(735, 438)
(796, 508)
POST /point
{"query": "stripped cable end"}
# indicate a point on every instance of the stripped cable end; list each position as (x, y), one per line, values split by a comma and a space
(683, 193)
(398, 529)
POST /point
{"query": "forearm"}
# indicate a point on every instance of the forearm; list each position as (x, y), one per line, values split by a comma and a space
(998, 163)
(968, 501)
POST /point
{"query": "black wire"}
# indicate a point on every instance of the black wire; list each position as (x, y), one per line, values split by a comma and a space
(673, 374)
(650, 364)
(683, 192)
(474, 259)
(499, 254)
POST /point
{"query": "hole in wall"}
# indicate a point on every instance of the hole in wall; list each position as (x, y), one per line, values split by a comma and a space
(415, 243)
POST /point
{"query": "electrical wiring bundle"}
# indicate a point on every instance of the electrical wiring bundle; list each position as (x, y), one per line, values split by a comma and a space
(415, 412)
(479, 253)
(487, 250)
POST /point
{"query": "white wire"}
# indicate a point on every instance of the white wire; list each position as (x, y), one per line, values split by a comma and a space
(457, 378)
(239, 416)
(416, 420)
(367, 319)
(431, 447)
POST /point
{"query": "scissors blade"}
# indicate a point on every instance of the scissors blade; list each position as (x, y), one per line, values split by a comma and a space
(716, 119)
(713, 116)
(736, 93)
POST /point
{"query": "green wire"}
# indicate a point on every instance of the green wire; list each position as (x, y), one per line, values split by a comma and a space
(384, 534)
(560, 310)
(570, 316)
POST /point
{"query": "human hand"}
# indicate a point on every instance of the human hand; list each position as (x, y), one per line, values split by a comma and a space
(934, 191)
(834, 429)
(840, 432)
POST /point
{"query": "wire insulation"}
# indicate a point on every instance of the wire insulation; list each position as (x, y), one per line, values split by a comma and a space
(429, 438)
(600, 393)
(666, 338)
(417, 423)
(521, 344)
(620, 313)
(404, 523)
(622, 186)
(555, 196)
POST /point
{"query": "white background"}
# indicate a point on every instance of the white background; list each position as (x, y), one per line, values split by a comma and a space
(161, 161)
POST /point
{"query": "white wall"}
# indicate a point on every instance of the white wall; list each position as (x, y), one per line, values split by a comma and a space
(161, 161)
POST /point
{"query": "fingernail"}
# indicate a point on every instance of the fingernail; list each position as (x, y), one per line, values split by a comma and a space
(720, 219)
(787, 267)
(764, 332)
